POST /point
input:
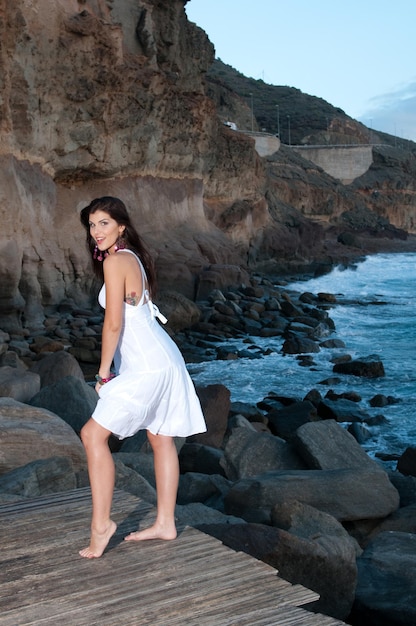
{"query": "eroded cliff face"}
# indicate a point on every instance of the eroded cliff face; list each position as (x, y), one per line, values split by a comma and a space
(389, 186)
(108, 98)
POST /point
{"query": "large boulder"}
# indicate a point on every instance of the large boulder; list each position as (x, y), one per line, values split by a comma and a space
(386, 587)
(326, 564)
(195, 457)
(347, 494)
(402, 520)
(298, 344)
(249, 453)
(18, 384)
(56, 366)
(28, 434)
(367, 367)
(306, 521)
(179, 310)
(209, 489)
(215, 404)
(284, 422)
(326, 445)
(71, 398)
(406, 464)
(341, 410)
(127, 479)
(38, 478)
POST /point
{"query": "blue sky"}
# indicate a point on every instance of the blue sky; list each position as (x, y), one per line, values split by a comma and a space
(357, 55)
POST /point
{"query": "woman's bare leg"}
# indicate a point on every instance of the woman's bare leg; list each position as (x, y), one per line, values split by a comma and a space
(167, 480)
(102, 475)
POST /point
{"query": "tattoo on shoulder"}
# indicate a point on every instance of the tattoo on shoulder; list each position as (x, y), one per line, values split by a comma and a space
(132, 298)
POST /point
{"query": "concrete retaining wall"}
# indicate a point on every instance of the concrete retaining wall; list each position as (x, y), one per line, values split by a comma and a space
(343, 162)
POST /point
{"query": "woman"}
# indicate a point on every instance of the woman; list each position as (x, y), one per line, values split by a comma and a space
(152, 389)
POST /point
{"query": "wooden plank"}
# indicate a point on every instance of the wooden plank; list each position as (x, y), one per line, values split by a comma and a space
(192, 580)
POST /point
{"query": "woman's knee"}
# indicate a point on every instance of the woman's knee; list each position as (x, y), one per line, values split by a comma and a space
(85, 433)
(160, 441)
(92, 433)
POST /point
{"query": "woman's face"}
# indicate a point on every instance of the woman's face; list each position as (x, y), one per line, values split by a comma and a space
(104, 230)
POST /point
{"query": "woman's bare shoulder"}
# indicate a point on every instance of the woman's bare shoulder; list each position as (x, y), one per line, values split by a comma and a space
(118, 259)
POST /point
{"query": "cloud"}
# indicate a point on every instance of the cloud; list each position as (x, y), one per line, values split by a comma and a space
(393, 112)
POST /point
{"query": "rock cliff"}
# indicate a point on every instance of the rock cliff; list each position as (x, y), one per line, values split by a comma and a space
(108, 98)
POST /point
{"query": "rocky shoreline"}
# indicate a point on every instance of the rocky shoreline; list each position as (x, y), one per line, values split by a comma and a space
(281, 480)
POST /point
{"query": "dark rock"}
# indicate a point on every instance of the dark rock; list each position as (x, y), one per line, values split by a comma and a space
(51, 475)
(270, 332)
(327, 297)
(28, 434)
(379, 400)
(18, 384)
(289, 309)
(332, 343)
(225, 354)
(45, 344)
(56, 366)
(386, 591)
(341, 358)
(407, 462)
(313, 396)
(12, 359)
(403, 520)
(359, 432)
(325, 565)
(297, 344)
(223, 308)
(249, 453)
(132, 444)
(367, 367)
(308, 298)
(341, 411)
(127, 479)
(347, 395)
(250, 411)
(198, 515)
(307, 522)
(208, 489)
(375, 420)
(141, 462)
(195, 457)
(406, 486)
(349, 239)
(70, 398)
(284, 422)
(215, 403)
(347, 494)
(326, 445)
(333, 380)
(305, 360)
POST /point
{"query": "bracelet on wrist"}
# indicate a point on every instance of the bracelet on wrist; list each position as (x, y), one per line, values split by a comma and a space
(102, 381)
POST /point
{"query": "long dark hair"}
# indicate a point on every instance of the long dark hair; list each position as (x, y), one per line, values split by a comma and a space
(116, 209)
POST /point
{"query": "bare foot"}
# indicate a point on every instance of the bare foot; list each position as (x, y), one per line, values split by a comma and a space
(99, 542)
(157, 531)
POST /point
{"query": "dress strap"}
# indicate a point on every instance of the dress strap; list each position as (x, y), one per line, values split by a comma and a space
(145, 299)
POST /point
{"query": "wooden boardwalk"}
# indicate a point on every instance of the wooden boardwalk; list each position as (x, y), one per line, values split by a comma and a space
(193, 581)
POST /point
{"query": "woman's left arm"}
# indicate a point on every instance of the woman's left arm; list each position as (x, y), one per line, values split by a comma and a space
(114, 279)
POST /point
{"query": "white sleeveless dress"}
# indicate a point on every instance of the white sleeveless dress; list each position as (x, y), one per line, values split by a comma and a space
(152, 389)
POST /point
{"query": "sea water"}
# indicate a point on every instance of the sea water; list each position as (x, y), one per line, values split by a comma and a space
(375, 314)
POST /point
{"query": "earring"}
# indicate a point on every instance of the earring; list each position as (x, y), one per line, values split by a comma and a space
(120, 243)
(98, 254)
